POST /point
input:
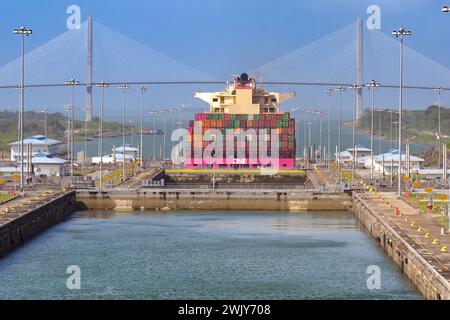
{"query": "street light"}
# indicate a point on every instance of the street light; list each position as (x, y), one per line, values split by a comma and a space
(142, 90)
(124, 87)
(355, 88)
(24, 32)
(45, 111)
(85, 140)
(72, 83)
(439, 91)
(154, 113)
(101, 85)
(329, 92)
(372, 85)
(400, 33)
(68, 109)
(339, 90)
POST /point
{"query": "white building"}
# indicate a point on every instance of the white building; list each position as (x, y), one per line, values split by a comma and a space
(111, 159)
(42, 164)
(346, 156)
(128, 150)
(39, 143)
(47, 165)
(390, 162)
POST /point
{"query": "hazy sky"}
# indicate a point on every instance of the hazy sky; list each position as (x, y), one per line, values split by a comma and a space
(222, 37)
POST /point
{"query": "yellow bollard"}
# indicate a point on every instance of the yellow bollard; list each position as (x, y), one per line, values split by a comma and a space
(406, 219)
(420, 230)
(413, 224)
(444, 249)
(435, 241)
(427, 235)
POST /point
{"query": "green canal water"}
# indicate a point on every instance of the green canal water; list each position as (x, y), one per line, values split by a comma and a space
(196, 255)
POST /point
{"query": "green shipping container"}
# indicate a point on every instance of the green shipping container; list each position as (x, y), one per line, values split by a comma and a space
(245, 117)
(237, 124)
(285, 124)
(279, 123)
(285, 117)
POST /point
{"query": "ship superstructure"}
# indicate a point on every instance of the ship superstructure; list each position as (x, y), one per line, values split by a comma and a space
(243, 109)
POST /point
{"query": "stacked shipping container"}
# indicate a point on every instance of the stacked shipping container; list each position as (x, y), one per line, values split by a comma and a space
(281, 123)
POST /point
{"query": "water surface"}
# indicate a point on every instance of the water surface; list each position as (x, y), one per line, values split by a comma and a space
(192, 255)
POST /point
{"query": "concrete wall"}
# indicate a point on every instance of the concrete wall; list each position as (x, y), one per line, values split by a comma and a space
(20, 230)
(215, 200)
(427, 280)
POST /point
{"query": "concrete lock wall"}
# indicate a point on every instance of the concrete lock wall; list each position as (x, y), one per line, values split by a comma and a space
(427, 280)
(238, 200)
(23, 228)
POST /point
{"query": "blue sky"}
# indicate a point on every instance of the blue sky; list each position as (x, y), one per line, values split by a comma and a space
(222, 37)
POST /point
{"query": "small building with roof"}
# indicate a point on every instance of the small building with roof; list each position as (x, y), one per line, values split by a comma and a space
(38, 143)
(346, 156)
(388, 162)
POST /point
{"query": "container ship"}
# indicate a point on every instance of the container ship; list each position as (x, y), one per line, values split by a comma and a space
(241, 107)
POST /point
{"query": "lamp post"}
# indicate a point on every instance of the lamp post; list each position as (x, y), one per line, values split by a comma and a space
(339, 90)
(400, 33)
(329, 92)
(124, 87)
(372, 85)
(45, 111)
(153, 113)
(85, 142)
(101, 85)
(68, 109)
(142, 90)
(439, 91)
(72, 83)
(23, 32)
(356, 88)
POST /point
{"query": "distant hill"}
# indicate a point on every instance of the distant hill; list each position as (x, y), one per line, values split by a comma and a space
(419, 126)
(34, 123)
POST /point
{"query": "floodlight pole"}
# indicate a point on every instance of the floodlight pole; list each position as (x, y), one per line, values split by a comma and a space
(400, 33)
(123, 87)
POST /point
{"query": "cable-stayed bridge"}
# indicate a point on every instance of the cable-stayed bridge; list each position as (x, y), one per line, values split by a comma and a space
(351, 55)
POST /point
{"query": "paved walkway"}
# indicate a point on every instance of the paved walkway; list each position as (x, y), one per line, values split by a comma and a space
(22, 205)
(136, 181)
(420, 230)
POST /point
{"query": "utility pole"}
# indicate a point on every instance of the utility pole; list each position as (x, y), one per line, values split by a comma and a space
(400, 33)
(372, 85)
(339, 90)
(101, 85)
(124, 87)
(23, 32)
(356, 88)
(439, 91)
(142, 90)
(329, 92)
(72, 83)
(45, 111)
